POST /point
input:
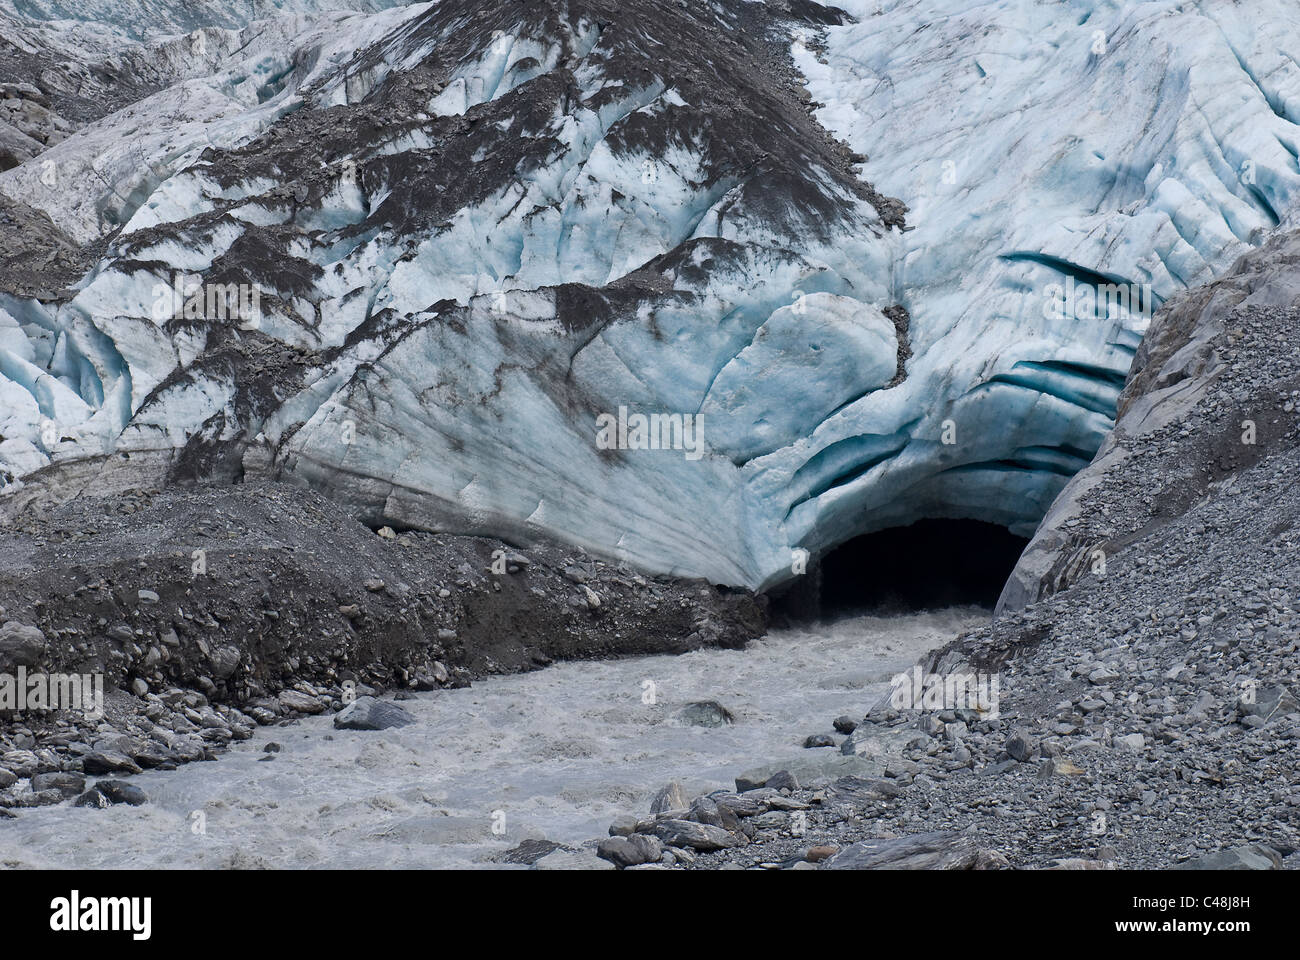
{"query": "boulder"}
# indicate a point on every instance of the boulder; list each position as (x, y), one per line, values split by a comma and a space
(1254, 856)
(705, 713)
(671, 797)
(941, 850)
(367, 713)
(696, 836)
(20, 645)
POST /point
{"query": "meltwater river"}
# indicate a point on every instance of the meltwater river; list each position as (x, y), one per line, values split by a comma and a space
(556, 754)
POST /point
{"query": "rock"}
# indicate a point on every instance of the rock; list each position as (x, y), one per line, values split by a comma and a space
(367, 713)
(991, 860)
(1133, 742)
(147, 596)
(1079, 863)
(671, 797)
(739, 805)
(375, 585)
(873, 741)
(93, 798)
(300, 702)
(857, 788)
(705, 713)
(819, 740)
(1021, 746)
(573, 860)
(109, 761)
(7, 779)
(20, 645)
(921, 851)
(1268, 704)
(782, 780)
(751, 781)
(902, 769)
(1252, 857)
(152, 756)
(529, 852)
(39, 798)
(811, 768)
(696, 836)
(68, 784)
(727, 818)
(778, 802)
(119, 791)
(225, 660)
(704, 810)
(1058, 767)
(844, 724)
(772, 820)
(630, 851)
(930, 725)
(139, 687)
(24, 763)
(821, 852)
(624, 826)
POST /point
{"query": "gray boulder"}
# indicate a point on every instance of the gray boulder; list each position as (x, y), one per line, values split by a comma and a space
(696, 836)
(706, 713)
(68, 784)
(630, 851)
(109, 761)
(367, 713)
(573, 860)
(942, 850)
(671, 797)
(20, 645)
(1252, 857)
(119, 791)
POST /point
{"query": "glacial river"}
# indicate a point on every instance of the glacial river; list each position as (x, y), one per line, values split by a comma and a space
(556, 754)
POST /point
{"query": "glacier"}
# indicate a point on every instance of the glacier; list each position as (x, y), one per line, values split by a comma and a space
(895, 257)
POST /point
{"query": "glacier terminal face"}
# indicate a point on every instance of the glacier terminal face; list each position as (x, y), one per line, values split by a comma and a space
(550, 269)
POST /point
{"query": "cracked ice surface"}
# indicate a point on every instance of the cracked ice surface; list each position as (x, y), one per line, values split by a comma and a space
(570, 225)
(1147, 143)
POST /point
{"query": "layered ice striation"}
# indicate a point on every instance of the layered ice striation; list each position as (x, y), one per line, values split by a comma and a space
(476, 231)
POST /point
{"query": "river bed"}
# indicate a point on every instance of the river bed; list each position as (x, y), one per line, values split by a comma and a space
(558, 754)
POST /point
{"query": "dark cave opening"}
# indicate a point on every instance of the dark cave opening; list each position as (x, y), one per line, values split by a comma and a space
(928, 565)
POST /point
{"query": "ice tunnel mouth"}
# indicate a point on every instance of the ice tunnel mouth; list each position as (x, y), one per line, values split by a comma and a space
(929, 565)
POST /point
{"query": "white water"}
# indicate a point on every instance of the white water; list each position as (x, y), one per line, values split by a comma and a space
(561, 752)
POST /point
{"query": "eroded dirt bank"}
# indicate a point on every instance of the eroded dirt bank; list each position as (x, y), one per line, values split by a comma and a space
(211, 609)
